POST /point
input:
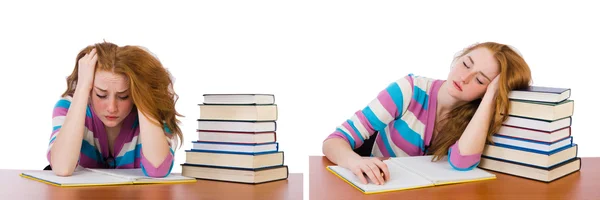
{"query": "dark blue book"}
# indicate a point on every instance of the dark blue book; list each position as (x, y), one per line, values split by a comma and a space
(530, 145)
(220, 147)
(541, 94)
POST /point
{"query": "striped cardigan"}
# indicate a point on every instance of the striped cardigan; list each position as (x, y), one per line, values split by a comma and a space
(94, 147)
(403, 114)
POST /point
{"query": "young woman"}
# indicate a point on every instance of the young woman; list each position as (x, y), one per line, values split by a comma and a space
(118, 112)
(417, 116)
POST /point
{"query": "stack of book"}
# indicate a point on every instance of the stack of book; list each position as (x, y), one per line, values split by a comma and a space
(535, 141)
(236, 140)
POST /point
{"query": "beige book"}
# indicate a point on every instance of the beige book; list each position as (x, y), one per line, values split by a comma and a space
(531, 158)
(238, 112)
(239, 98)
(233, 160)
(252, 176)
(542, 111)
(535, 173)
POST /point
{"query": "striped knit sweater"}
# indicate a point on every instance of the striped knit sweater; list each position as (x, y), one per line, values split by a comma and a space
(127, 148)
(403, 114)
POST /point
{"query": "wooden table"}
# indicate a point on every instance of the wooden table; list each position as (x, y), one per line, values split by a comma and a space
(12, 186)
(584, 184)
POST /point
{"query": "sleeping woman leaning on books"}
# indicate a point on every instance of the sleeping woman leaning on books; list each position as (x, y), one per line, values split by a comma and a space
(118, 112)
(417, 116)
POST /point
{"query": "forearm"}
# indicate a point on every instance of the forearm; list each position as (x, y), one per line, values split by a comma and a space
(67, 145)
(338, 151)
(155, 147)
(473, 138)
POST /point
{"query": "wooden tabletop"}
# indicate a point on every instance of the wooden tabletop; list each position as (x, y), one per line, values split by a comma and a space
(12, 186)
(584, 184)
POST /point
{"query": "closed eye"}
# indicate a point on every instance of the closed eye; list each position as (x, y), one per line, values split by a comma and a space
(465, 64)
(99, 96)
(124, 98)
(478, 81)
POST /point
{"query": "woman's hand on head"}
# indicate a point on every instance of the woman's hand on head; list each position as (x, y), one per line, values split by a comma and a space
(376, 170)
(87, 66)
(492, 88)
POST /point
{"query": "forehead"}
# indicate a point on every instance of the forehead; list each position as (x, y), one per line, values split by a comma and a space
(484, 61)
(109, 80)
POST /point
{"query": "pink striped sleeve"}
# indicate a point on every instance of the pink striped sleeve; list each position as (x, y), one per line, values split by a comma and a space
(337, 134)
(163, 170)
(61, 108)
(462, 162)
(386, 107)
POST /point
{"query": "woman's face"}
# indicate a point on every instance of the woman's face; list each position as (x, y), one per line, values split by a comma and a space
(110, 98)
(471, 74)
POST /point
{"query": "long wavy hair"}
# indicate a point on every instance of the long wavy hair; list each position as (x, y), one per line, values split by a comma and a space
(151, 85)
(514, 74)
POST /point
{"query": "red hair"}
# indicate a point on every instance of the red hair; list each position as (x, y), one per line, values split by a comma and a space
(150, 83)
(514, 74)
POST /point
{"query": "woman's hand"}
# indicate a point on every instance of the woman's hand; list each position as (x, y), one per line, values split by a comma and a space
(375, 169)
(492, 88)
(87, 66)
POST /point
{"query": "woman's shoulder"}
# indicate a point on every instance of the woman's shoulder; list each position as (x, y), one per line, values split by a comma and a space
(422, 82)
(65, 98)
(64, 101)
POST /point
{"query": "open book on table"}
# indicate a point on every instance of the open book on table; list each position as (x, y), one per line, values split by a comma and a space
(413, 172)
(99, 177)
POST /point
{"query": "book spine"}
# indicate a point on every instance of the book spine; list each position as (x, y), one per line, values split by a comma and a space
(236, 132)
(233, 152)
(539, 131)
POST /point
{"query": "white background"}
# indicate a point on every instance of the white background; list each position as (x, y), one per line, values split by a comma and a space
(323, 60)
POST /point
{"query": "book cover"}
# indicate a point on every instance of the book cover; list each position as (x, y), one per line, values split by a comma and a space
(235, 147)
(530, 145)
(541, 94)
(538, 124)
(534, 135)
(238, 112)
(529, 157)
(237, 125)
(532, 172)
(239, 99)
(237, 137)
(541, 110)
(236, 175)
(543, 89)
(234, 160)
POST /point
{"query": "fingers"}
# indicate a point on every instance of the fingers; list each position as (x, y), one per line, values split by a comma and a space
(82, 59)
(377, 172)
(358, 172)
(91, 54)
(384, 168)
(88, 56)
(367, 170)
(94, 58)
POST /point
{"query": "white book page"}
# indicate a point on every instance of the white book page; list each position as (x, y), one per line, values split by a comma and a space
(439, 172)
(130, 174)
(400, 178)
(138, 175)
(77, 178)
